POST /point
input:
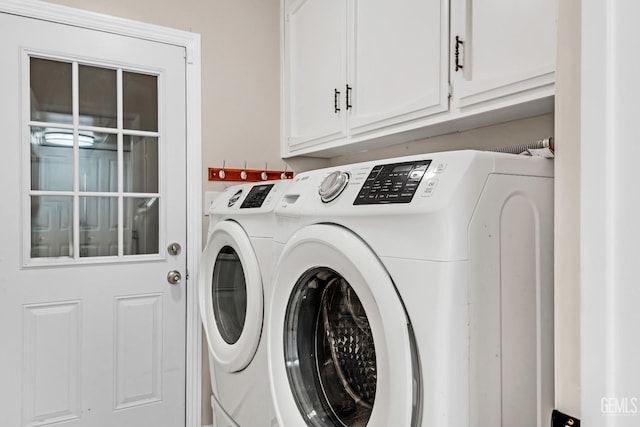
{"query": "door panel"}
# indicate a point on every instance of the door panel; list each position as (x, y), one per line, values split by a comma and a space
(92, 331)
(52, 350)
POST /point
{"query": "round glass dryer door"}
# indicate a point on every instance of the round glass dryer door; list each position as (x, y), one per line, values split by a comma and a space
(341, 350)
(231, 296)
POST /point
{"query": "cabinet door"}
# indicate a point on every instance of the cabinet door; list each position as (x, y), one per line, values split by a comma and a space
(508, 51)
(314, 71)
(399, 68)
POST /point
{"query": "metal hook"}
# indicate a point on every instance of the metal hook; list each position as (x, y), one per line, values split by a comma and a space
(243, 173)
(222, 173)
(264, 175)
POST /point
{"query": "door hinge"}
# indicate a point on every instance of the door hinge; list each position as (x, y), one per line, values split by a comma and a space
(459, 54)
(450, 91)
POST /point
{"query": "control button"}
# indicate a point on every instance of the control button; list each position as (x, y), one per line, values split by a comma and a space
(416, 175)
(440, 168)
(332, 185)
(430, 187)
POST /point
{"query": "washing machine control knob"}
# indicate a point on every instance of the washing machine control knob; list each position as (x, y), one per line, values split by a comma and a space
(332, 185)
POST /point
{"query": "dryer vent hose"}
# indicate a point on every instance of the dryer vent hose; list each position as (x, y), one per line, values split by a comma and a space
(543, 148)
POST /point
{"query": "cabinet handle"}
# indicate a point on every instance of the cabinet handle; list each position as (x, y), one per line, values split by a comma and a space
(459, 46)
(336, 101)
(349, 97)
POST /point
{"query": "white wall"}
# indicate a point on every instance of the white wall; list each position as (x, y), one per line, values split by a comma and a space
(610, 209)
(501, 135)
(567, 210)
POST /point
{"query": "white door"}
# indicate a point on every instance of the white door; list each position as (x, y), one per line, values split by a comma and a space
(93, 189)
(341, 349)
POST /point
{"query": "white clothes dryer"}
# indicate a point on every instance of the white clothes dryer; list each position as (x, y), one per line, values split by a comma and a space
(234, 283)
(415, 291)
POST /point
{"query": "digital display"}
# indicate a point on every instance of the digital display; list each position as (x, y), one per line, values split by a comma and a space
(261, 189)
(402, 168)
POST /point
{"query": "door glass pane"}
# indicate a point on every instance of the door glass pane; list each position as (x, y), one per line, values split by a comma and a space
(98, 96)
(325, 319)
(140, 101)
(141, 220)
(50, 84)
(229, 295)
(51, 226)
(98, 226)
(51, 159)
(141, 164)
(98, 161)
(93, 171)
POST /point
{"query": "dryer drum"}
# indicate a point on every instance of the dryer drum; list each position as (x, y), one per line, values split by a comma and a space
(229, 294)
(329, 350)
(350, 341)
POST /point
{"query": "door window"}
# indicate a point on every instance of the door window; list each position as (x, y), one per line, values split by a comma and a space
(229, 295)
(94, 187)
(326, 319)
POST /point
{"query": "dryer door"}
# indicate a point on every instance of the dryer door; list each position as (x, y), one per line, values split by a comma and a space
(231, 296)
(341, 350)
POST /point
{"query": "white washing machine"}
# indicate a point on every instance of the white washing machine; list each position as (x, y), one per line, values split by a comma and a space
(234, 285)
(415, 291)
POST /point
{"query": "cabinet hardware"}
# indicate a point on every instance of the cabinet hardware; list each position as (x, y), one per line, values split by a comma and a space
(336, 101)
(459, 61)
(349, 97)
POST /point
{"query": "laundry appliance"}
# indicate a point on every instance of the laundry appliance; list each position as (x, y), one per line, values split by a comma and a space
(415, 291)
(234, 285)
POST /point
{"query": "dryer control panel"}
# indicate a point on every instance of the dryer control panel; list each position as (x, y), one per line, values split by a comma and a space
(256, 196)
(392, 183)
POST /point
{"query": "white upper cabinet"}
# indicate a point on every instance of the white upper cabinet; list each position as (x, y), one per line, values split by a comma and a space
(314, 71)
(397, 62)
(506, 51)
(358, 74)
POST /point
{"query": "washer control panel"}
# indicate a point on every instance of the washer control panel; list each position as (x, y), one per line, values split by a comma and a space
(392, 183)
(256, 196)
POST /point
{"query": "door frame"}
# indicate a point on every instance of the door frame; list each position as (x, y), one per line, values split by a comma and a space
(191, 42)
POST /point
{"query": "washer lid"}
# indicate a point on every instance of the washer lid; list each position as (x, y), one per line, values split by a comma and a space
(341, 349)
(231, 296)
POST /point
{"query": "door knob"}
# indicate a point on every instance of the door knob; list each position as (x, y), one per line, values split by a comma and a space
(174, 248)
(174, 277)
